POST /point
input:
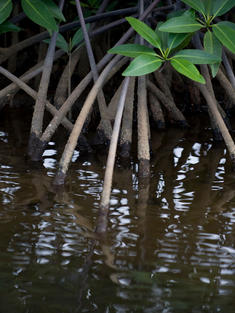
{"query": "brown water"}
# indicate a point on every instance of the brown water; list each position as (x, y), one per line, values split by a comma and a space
(171, 242)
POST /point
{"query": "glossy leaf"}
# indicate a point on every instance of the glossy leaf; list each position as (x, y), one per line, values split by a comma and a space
(197, 5)
(142, 65)
(55, 10)
(132, 50)
(8, 27)
(181, 24)
(145, 31)
(39, 13)
(187, 69)
(213, 46)
(197, 56)
(220, 7)
(225, 32)
(5, 9)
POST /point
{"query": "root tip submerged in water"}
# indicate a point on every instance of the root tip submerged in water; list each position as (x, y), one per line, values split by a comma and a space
(59, 178)
(35, 148)
(144, 168)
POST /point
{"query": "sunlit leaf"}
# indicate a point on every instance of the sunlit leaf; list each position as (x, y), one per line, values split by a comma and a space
(143, 64)
(181, 24)
(5, 9)
(187, 69)
(225, 32)
(132, 50)
(145, 31)
(38, 12)
(213, 46)
(197, 56)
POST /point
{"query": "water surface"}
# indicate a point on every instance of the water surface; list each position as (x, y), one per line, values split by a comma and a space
(171, 241)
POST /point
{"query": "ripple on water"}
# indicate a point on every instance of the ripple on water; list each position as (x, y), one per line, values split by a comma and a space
(170, 246)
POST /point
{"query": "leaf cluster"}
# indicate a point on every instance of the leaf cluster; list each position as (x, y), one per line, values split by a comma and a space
(45, 13)
(171, 37)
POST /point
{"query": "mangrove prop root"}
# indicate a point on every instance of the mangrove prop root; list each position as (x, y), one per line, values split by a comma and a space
(6, 53)
(157, 113)
(37, 69)
(127, 121)
(61, 92)
(205, 72)
(228, 69)
(104, 129)
(93, 66)
(220, 122)
(55, 122)
(161, 81)
(172, 109)
(38, 113)
(143, 128)
(65, 122)
(108, 177)
(72, 141)
(225, 83)
(31, 73)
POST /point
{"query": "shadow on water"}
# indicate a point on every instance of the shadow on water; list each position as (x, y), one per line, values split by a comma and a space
(170, 245)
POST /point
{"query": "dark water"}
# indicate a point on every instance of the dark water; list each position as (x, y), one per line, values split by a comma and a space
(171, 242)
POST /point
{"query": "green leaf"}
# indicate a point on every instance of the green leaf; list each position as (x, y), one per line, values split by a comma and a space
(8, 27)
(132, 50)
(222, 6)
(187, 69)
(208, 7)
(181, 24)
(5, 9)
(163, 36)
(39, 13)
(174, 40)
(55, 10)
(145, 31)
(197, 56)
(78, 37)
(60, 43)
(143, 64)
(197, 5)
(213, 46)
(225, 32)
(176, 13)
